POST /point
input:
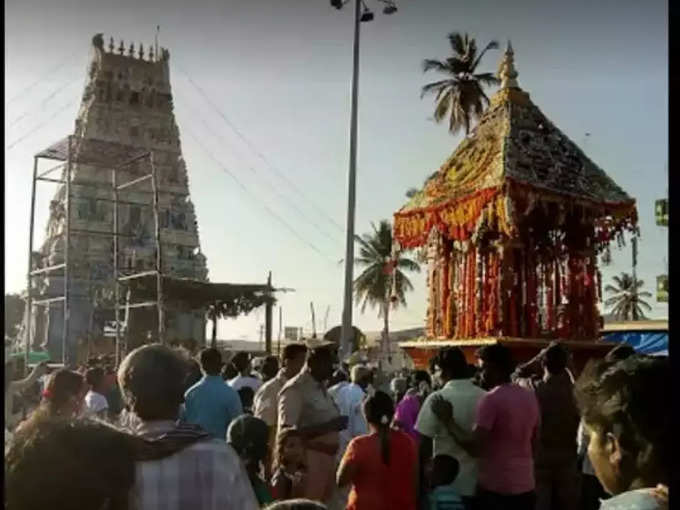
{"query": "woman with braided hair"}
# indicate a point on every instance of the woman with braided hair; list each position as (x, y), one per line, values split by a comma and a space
(382, 466)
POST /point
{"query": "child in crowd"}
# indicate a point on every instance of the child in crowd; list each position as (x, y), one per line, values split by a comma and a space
(249, 436)
(96, 405)
(289, 465)
(444, 470)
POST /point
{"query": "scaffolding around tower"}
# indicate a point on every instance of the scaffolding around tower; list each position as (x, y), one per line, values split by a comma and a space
(103, 155)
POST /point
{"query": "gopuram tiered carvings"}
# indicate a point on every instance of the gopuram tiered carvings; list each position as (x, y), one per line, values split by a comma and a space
(127, 101)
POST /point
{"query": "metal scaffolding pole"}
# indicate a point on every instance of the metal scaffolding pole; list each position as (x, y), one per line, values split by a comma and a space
(114, 182)
(68, 157)
(159, 256)
(67, 242)
(29, 296)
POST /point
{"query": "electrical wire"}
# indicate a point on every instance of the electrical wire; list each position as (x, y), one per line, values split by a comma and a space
(271, 187)
(24, 90)
(255, 150)
(41, 125)
(44, 101)
(255, 199)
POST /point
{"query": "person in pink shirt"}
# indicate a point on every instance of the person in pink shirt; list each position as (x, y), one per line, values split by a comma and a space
(406, 412)
(503, 437)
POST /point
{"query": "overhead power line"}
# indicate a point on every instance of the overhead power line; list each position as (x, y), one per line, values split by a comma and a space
(41, 125)
(44, 101)
(255, 199)
(24, 90)
(274, 190)
(255, 149)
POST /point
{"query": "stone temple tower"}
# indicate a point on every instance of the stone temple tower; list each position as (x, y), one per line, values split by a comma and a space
(127, 101)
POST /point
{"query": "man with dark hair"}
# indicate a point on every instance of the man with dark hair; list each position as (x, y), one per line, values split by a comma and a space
(266, 401)
(207, 475)
(270, 367)
(435, 439)
(625, 407)
(556, 466)
(503, 436)
(211, 403)
(241, 362)
(592, 492)
(305, 404)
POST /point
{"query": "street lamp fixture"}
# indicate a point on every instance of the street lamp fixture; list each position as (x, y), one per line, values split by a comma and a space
(390, 7)
(361, 14)
(367, 15)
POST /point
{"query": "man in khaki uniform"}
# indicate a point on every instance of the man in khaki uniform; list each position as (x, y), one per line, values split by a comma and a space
(305, 404)
(266, 401)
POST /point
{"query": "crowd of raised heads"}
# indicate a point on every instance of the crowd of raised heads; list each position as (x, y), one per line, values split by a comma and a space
(171, 430)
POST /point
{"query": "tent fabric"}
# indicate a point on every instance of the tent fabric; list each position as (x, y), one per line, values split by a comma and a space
(644, 342)
(34, 357)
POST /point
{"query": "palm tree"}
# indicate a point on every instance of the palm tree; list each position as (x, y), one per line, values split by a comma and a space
(382, 282)
(460, 97)
(626, 302)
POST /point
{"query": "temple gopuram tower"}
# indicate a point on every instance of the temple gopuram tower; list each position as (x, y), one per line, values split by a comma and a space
(512, 224)
(126, 110)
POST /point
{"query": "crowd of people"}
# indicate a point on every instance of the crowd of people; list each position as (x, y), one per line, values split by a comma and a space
(170, 431)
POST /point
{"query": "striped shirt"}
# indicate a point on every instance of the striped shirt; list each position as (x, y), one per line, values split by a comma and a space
(208, 475)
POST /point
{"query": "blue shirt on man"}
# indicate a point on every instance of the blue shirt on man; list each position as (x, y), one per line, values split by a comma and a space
(212, 404)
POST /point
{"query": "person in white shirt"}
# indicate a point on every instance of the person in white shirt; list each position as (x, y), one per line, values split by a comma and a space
(96, 405)
(349, 399)
(463, 396)
(241, 362)
(337, 381)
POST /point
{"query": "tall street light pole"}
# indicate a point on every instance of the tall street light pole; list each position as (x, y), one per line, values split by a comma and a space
(346, 331)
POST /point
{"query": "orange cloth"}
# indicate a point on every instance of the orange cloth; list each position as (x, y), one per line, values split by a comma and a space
(377, 486)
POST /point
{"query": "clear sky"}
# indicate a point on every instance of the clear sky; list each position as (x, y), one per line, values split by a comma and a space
(280, 73)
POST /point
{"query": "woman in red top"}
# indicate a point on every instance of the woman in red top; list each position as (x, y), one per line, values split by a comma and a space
(381, 466)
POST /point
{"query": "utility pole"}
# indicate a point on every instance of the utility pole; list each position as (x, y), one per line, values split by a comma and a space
(346, 331)
(325, 319)
(311, 306)
(269, 308)
(278, 348)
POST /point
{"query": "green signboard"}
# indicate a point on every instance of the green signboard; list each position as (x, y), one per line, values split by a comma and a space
(661, 212)
(662, 288)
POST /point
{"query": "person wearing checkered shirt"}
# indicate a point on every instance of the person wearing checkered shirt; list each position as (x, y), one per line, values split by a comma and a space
(208, 474)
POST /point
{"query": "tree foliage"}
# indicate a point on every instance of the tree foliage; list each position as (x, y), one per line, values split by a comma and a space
(627, 301)
(460, 97)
